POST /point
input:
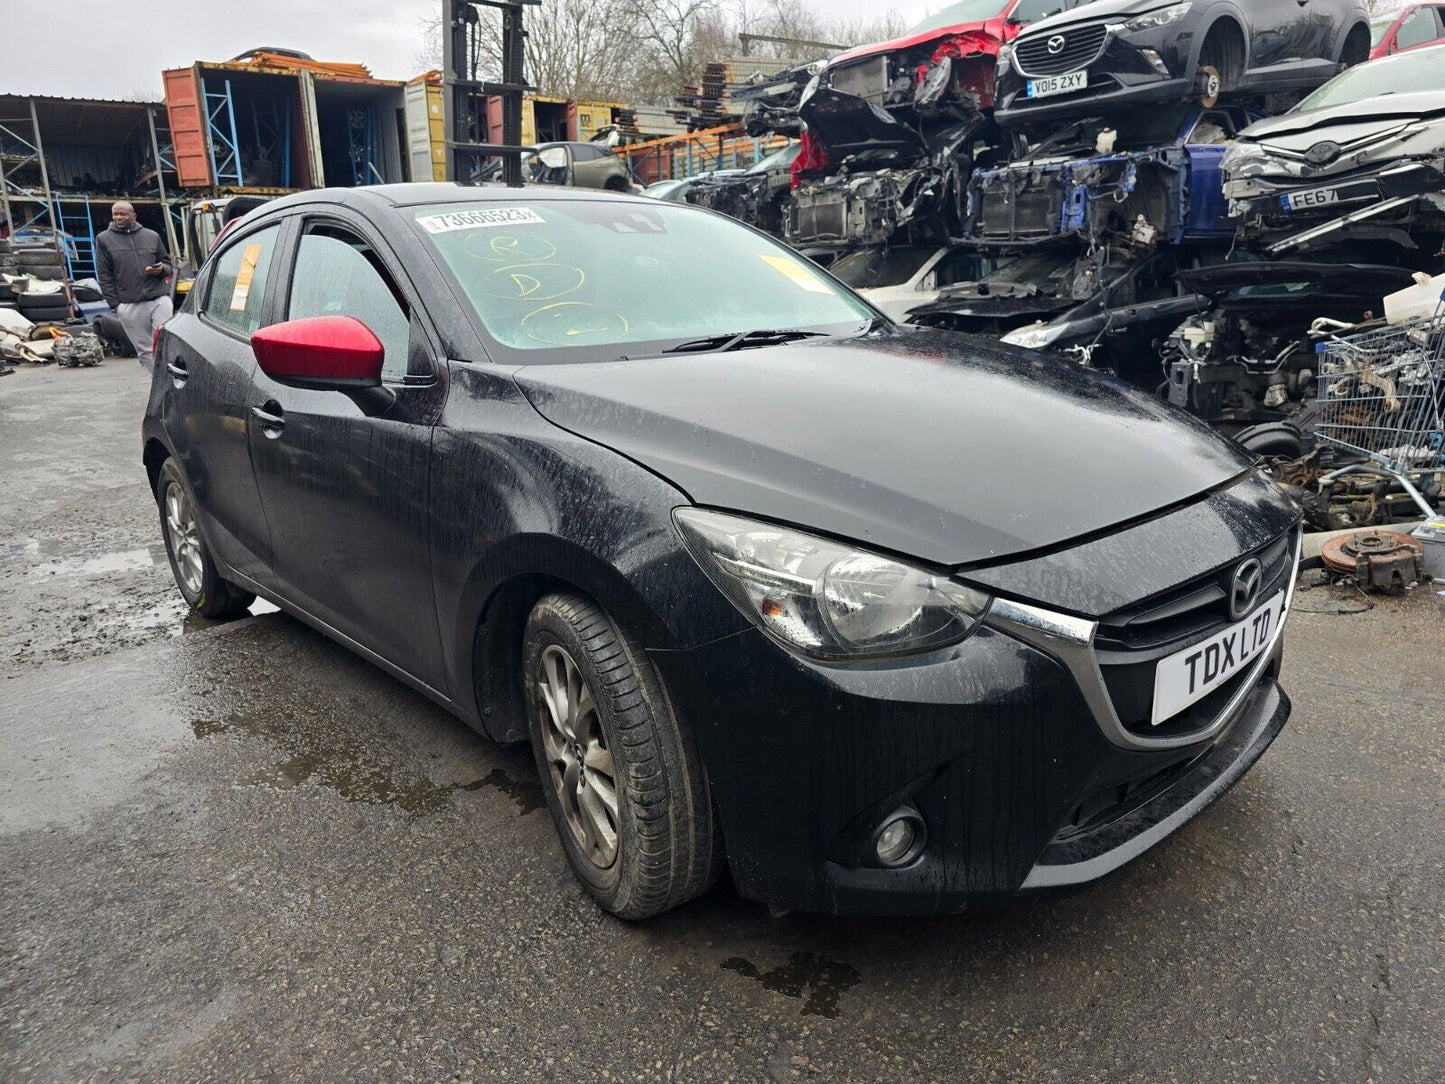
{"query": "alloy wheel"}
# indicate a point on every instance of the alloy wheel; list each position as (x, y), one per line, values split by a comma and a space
(580, 764)
(185, 539)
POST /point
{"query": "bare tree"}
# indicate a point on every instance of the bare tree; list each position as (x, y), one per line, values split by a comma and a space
(667, 31)
(642, 51)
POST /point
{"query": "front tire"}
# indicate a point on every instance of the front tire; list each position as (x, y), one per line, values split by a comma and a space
(624, 784)
(200, 583)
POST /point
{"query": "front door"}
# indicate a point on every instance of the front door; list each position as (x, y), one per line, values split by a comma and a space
(346, 493)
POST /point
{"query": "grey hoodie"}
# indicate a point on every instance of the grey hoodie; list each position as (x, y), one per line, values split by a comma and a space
(121, 259)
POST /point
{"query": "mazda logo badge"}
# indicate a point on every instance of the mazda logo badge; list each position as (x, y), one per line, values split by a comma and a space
(1245, 590)
(1057, 43)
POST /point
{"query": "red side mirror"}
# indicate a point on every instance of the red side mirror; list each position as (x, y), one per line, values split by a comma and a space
(329, 353)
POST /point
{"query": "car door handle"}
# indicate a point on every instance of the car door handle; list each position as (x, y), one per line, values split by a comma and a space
(271, 417)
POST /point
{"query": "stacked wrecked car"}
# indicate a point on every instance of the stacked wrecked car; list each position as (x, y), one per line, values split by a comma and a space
(1191, 195)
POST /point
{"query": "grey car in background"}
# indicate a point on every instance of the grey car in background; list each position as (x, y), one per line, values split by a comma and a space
(1371, 140)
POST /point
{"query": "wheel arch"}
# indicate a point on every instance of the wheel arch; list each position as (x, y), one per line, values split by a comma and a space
(496, 601)
(155, 453)
(1360, 27)
(1227, 21)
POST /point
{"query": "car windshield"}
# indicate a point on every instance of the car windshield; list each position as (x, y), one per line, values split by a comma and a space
(1420, 69)
(596, 279)
(876, 268)
(967, 11)
(777, 160)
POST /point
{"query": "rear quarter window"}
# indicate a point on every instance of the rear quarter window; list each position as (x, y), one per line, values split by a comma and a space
(237, 288)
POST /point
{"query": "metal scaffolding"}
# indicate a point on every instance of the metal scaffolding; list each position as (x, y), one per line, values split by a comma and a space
(224, 142)
(464, 102)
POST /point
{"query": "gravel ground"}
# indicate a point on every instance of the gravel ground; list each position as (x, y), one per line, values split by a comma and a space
(238, 852)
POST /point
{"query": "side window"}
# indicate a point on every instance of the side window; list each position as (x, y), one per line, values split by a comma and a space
(1419, 28)
(238, 284)
(1212, 129)
(585, 152)
(960, 266)
(339, 274)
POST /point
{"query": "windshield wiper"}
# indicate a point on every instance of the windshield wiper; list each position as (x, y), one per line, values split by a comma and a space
(721, 344)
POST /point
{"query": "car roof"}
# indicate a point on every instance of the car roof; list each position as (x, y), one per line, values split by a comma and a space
(426, 192)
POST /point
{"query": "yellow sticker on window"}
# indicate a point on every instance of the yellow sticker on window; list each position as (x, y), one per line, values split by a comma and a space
(794, 270)
(242, 292)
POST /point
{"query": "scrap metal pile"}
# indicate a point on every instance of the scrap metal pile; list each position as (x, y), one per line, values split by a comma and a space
(1198, 196)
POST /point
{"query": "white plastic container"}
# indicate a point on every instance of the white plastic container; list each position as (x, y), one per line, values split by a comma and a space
(1415, 302)
(1431, 535)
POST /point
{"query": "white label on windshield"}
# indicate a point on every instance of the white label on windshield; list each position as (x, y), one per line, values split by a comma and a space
(476, 220)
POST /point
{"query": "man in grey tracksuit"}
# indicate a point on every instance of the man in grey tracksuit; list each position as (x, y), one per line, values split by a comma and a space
(132, 264)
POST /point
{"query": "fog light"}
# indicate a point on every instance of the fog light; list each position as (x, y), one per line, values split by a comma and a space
(1156, 60)
(900, 839)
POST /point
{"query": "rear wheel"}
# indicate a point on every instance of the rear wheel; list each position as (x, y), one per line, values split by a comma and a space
(624, 784)
(201, 585)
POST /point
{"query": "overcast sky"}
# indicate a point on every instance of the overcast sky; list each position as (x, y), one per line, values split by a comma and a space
(117, 48)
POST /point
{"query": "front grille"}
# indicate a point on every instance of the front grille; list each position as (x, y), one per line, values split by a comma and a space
(822, 217)
(1130, 643)
(1082, 46)
(1032, 213)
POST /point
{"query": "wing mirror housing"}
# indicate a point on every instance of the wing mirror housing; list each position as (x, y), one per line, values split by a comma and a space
(325, 353)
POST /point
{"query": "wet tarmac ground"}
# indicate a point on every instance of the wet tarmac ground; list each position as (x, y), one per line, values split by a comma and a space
(235, 851)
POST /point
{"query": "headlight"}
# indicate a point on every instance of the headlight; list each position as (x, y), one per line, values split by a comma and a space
(1156, 19)
(1036, 337)
(827, 599)
(1005, 58)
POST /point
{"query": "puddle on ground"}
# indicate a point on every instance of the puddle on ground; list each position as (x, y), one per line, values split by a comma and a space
(527, 793)
(134, 560)
(827, 979)
(347, 772)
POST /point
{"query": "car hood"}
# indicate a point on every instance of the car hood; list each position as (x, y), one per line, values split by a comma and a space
(984, 36)
(955, 302)
(946, 448)
(1096, 12)
(1346, 123)
(1356, 279)
(846, 123)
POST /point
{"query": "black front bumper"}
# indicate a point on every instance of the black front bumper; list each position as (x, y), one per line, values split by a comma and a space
(991, 743)
(1120, 77)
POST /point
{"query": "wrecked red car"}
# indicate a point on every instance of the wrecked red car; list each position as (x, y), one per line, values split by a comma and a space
(949, 58)
(889, 127)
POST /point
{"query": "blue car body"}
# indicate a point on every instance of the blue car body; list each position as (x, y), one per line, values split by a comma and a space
(1170, 192)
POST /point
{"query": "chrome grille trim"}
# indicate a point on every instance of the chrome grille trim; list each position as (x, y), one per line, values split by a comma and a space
(1070, 641)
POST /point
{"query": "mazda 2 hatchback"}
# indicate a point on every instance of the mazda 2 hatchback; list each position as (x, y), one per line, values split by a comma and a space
(887, 620)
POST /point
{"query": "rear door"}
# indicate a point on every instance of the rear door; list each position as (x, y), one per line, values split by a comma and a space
(345, 491)
(210, 368)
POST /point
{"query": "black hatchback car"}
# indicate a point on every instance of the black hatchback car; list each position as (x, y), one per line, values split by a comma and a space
(888, 620)
(1137, 52)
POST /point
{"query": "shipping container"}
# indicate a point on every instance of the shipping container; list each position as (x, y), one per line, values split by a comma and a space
(276, 124)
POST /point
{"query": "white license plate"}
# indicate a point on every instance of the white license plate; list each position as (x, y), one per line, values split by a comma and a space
(1058, 84)
(1192, 674)
(1315, 197)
